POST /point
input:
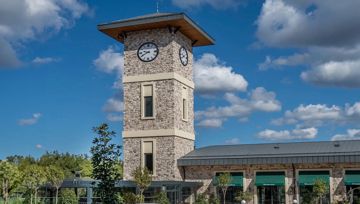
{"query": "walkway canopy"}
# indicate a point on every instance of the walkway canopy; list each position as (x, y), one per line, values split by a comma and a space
(352, 177)
(308, 178)
(91, 183)
(270, 179)
(236, 179)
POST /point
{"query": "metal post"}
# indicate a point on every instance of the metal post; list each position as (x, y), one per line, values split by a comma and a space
(89, 195)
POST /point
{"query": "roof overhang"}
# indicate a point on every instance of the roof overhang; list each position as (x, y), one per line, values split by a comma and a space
(180, 21)
(91, 183)
(295, 159)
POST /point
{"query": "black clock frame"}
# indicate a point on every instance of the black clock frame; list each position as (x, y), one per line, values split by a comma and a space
(187, 56)
(157, 51)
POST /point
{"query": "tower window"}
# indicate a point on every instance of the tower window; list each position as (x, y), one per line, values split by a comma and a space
(147, 101)
(185, 104)
(148, 106)
(148, 155)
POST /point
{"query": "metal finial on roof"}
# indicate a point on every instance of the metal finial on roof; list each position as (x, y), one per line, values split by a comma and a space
(157, 6)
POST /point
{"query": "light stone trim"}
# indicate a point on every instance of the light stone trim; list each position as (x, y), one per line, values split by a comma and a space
(143, 102)
(157, 77)
(142, 159)
(158, 133)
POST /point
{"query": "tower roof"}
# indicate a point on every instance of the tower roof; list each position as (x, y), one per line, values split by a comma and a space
(180, 21)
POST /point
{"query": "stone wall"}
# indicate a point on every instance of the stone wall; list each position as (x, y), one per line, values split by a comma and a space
(164, 96)
(167, 59)
(167, 151)
(167, 102)
(205, 174)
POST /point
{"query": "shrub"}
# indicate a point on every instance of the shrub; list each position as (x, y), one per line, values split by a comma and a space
(161, 198)
(240, 195)
(67, 196)
(131, 198)
(214, 200)
(201, 199)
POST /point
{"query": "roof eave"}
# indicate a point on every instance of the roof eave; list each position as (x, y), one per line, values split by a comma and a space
(136, 23)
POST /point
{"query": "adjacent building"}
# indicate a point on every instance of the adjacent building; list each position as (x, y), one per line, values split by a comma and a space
(159, 127)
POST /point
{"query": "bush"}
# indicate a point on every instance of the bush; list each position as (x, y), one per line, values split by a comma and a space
(67, 196)
(201, 199)
(119, 198)
(131, 198)
(161, 198)
(214, 200)
(247, 196)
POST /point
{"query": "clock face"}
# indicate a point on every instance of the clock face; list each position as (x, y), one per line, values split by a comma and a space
(183, 56)
(148, 52)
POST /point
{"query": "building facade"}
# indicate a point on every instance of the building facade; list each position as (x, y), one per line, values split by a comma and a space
(158, 132)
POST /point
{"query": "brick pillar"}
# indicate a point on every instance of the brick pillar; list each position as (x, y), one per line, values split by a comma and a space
(337, 186)
(289, 186)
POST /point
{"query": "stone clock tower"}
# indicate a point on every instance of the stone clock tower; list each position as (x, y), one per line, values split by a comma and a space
(158, 90)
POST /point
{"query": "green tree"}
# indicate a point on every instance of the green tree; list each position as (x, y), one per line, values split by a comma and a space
(34, 176)
(9, 179)
(67, 196)
(213, 199)
(130, 198)
(223, 181)
(55, 177)
(142, 179)
(161, 198)
(20, 161)
(320, 189)
(86, 168)
(105, 156)
(69, 163)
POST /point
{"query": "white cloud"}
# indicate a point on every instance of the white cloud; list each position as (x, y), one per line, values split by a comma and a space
(114, 117)
(296, 134)
(8, 56)
(210, 123)
(353, 112)
(262, 100)
(26, 20)
(332, 73)
(232, 141)
(44, 60)
(38, 146)
(212, 76)
(259, 100)
(30, 121)
(114, 105)
(110, 61)
(217, 4)
(332, 47)
(320, 114)
(309, 23)
(352, 134)
(278, 63)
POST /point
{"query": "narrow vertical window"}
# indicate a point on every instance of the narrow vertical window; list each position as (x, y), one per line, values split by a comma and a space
(184, 104)
(148, 156)
(148, 101)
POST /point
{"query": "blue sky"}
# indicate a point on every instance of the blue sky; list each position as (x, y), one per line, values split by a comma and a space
(280, 71)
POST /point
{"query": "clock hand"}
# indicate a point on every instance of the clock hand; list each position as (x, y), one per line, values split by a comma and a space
(146, 52)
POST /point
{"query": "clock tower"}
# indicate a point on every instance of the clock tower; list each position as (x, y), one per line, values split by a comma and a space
(158, 125)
